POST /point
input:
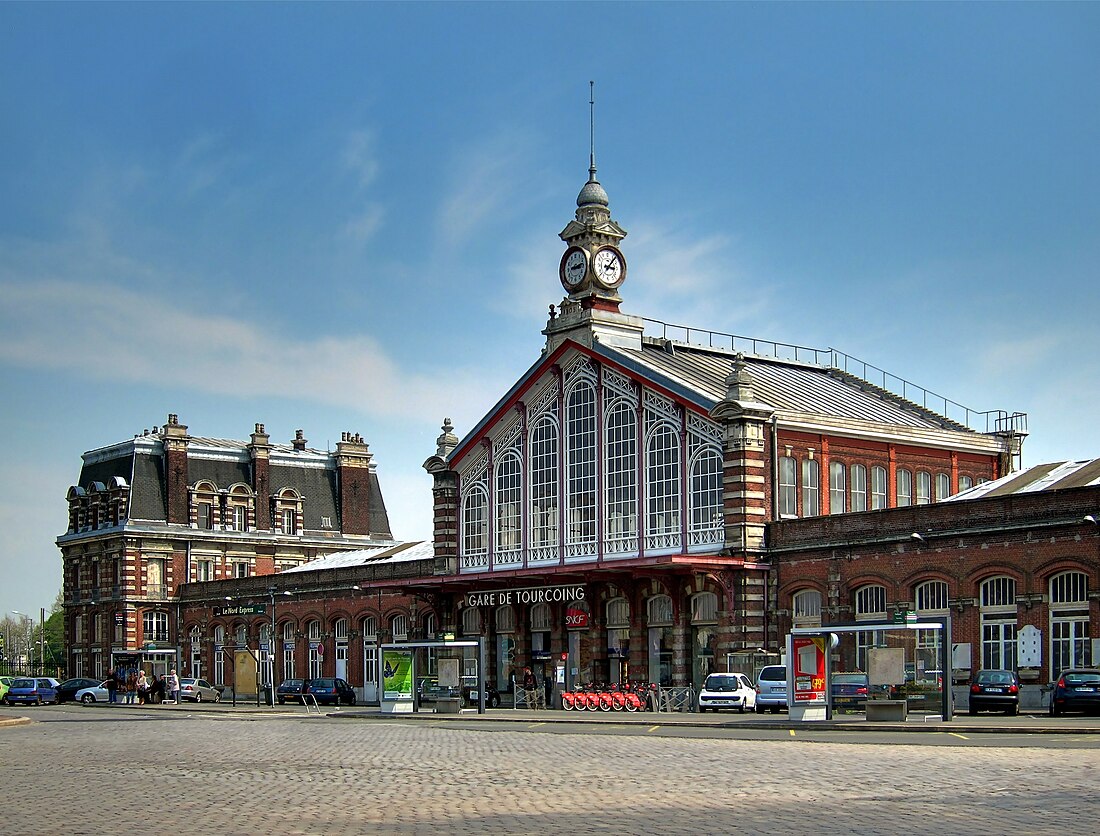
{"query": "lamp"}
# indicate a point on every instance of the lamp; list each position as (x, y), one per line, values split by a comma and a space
(1089, 518)
(916, 537)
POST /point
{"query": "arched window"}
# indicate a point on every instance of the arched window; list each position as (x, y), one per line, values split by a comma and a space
(580, 535)
(998, 620)
(544, 490)
(859, 487)
(313, 631)
(878, 488)
(429, 626)
(155, 626)
(288, 650)
(705, 498)
(475, 527)
(1069, 622)
(618, 612)
(219, 654)
(806, 608)
(506, 619)
(659, 611)
(241, 636)
(905, 488)
(540, 617)
(965, 483)
(399, 627)
(924, 487)
(238, 508)
(663, 488)
(811, 488)
(931, 597)
(621, 479)
(471, 622)
(288, 511)
(943, 486)
(837, 488)
(370, 629)
(788, 497)
(508, 508)
(704, 608)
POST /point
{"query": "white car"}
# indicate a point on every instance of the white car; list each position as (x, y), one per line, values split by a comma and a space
(727, 690)
(97, 693)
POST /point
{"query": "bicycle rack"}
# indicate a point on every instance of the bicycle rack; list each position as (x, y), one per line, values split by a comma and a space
(309, 698)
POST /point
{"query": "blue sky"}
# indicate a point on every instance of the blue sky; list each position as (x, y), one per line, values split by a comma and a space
(345, 217)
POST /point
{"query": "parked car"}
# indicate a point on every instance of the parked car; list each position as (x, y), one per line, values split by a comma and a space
(93, 693)
(290, 689)
(470, 692)
(66, 692)
(727, 690)
(34, 690)
(198, 690)
(994, 690)
(331, 691)
(5, 683)
(771, 689)
(1077, 689)
(428, 690)
(849, 691)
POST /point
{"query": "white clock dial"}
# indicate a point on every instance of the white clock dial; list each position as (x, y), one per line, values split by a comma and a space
(573, 267)
(608, 267)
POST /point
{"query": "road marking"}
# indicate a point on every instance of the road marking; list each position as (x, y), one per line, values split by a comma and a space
(961, 737)
(536, 725)
(792, 732)
(652, 728)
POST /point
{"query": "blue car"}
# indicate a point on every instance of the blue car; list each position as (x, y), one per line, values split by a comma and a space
(37, 690)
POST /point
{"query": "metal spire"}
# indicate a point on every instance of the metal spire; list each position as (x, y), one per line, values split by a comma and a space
(591, 130)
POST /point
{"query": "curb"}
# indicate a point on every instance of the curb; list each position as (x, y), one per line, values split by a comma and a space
(15, 721)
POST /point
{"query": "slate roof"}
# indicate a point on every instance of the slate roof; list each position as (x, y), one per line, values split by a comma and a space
(699, 374)
(399, 553)
(1041, 477)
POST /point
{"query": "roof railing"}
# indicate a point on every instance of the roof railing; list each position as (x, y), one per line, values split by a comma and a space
(987, 421)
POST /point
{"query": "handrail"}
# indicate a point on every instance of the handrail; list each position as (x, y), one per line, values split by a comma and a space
(985, 421)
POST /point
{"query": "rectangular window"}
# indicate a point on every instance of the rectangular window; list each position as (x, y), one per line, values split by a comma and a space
(1070, 645)
(240, 570)
(154, 579)
(206, 516)
(240, 518)
(204, 570)
(998, 644)
(290, 525)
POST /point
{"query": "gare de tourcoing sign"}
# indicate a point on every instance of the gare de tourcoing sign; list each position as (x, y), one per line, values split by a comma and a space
(526, 595)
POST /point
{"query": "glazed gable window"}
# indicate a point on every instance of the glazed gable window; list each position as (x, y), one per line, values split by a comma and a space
(663, 488)
(544, 489)
(580, 533)
(621, 480)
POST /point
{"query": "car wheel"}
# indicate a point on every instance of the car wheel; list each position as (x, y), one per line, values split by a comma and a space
(1012, 710)
(759, 709)
(87, 699)
(198, 696)
(38, 701)
(973, 712)
(282, 701)
(1055, 711)
(740, 709)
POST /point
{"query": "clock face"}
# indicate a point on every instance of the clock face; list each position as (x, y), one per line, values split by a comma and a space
(574, 265)
(609, 267)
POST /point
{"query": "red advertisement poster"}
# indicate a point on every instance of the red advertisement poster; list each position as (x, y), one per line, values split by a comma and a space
(809, 668)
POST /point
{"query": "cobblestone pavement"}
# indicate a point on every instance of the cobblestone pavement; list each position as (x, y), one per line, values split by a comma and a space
(183, 771)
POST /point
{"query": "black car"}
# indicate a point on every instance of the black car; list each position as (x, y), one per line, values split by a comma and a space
(66, 691)
(331, 691)
(994, 690)
(291, 689)
(849, 691)
(1077, 689)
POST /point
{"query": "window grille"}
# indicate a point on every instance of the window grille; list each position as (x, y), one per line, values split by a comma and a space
(659, 611)
(618, 613)
(871, 602)
(931, 596)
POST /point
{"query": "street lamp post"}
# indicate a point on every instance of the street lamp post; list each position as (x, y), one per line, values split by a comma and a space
(271, 650)
(28, 641)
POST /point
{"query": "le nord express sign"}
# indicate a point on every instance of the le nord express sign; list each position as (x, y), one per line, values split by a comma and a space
(528, 595)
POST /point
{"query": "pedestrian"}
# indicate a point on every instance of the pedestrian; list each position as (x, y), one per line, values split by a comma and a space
(142, 686)
(112, 686)
(157, 689)
(173, 687)
(130, 687)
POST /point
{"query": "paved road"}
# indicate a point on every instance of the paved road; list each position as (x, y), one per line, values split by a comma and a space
(105, 770)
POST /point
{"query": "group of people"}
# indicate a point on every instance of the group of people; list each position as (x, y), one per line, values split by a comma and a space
(136, 686)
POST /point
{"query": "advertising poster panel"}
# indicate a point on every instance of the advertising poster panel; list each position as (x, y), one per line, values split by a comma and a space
(808, 654)
(397, 680)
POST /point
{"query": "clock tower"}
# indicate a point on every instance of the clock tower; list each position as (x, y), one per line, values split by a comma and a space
(592, 269)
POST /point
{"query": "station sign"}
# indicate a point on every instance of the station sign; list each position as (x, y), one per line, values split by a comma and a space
(240, 609)
(525, 595)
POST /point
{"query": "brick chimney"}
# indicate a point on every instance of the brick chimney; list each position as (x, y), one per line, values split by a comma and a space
(260, 451)
(353, 470)
(299, 441)
(175, 439)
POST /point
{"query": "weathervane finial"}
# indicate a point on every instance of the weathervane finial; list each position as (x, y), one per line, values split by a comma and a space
(591, 130)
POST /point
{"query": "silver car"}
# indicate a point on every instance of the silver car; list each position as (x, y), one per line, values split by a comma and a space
(198, 690)
(771, 689)
(96, 693)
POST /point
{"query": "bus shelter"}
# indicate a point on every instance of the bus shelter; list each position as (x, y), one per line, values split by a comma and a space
(906, 661)
(400, 669)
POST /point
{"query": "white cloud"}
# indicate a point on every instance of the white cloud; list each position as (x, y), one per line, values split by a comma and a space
(359, 157)
(363, 226)
(101, 331)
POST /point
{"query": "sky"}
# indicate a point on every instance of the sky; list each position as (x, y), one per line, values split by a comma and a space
(345, 217)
